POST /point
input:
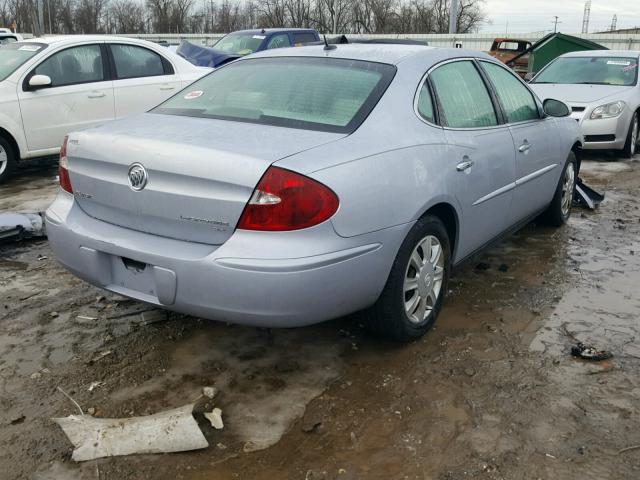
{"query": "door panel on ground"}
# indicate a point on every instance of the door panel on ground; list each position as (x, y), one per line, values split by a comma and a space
(143, 79)
(78, 98)
(533, 139)
(481, 152)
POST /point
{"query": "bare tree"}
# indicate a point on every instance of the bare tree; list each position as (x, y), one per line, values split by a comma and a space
(126, 16)
(182, 16)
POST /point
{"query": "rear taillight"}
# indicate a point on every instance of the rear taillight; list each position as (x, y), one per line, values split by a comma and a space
(285, 200)
(63, 167)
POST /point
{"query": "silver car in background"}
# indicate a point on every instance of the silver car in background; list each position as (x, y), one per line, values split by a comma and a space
(602, 89)
(298, 185)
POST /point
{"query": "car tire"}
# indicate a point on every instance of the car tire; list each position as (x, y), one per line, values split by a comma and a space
(396, 316)
(559, 211)
(633, 137)
(7, 159)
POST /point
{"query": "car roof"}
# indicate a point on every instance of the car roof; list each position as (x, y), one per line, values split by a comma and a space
(267, 31)
(604, 53)
(381, 53)
(69, 39)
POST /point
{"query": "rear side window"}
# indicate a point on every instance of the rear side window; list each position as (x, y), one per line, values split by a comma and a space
(517, 102)
(302, 38)
(73, 66)
(326, 94)
(463, 98)
(425, 104)
(134, 62)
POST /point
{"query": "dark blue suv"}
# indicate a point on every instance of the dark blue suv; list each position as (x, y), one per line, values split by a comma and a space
(244, 42)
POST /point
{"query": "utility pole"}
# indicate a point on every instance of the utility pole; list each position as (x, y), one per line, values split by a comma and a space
(39, 27)
(555, 22)
(50, 28)
(614, 23)
(453, 17)
(585, 17)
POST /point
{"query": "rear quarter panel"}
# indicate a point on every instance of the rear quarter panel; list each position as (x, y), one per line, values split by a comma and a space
(392, 169)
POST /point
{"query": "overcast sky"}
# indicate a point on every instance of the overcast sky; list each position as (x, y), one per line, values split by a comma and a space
(537, 15)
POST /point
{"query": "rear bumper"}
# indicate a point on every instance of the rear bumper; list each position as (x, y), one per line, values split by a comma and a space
(256, 278)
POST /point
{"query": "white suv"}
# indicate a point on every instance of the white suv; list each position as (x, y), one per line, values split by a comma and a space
(50, 86)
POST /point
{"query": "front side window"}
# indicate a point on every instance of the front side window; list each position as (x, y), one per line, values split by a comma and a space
(279, 41)
(135, 62)
(240, 43)
(621, 71)
(73, 66)
(463, 98)
(324, 94)
(517, 102)
(14, 55)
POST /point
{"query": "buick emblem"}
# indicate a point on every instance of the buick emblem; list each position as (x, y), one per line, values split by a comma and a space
(137, 177)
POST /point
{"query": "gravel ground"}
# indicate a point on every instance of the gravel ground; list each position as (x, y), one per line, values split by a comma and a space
(491, 393)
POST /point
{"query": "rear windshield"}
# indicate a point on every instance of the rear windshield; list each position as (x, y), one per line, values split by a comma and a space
(12, 55)
(621, 71)
(324, 94)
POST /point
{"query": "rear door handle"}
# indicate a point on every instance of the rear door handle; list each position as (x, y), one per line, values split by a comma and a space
(167, 87)
(461, 167)
(524, 148)
(97, 95)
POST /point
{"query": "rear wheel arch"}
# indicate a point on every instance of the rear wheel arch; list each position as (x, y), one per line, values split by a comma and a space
(449, 217)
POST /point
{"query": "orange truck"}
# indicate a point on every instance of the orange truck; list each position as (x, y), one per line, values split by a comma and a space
(504, 49)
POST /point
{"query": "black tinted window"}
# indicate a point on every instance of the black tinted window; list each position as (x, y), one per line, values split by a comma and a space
(133, 62)
(302, 38)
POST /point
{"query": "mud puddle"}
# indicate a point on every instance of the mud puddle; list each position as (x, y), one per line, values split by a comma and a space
(490, 393)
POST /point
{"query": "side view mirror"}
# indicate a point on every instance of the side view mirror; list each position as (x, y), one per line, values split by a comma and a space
(529, 76)
(555, 108)
(39, 81)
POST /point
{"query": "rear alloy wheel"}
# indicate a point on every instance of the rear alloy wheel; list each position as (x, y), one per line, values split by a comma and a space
(6, 159)
(415, 289)
(631, 145)
(559, 210)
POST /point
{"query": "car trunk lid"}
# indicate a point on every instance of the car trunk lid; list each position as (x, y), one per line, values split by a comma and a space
(200, 172)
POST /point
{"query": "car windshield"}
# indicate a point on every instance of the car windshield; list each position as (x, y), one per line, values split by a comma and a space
(621, 71)
(240, 43)
(7, 39)
(314, 93)
(14, 54)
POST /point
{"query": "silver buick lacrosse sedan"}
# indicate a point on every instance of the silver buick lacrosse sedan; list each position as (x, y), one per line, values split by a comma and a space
(299, 185)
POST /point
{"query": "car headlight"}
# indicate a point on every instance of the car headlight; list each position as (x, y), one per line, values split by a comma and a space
(609, 110)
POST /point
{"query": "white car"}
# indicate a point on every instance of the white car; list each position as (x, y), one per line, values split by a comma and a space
(50, 86)
(7, 36)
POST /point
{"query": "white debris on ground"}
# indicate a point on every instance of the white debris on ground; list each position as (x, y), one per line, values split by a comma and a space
(215, 417)
(171, 431)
